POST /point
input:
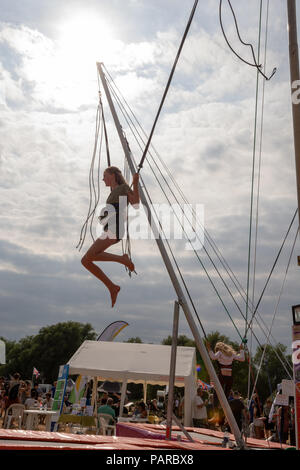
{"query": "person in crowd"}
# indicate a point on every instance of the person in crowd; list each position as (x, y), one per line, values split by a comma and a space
(254, 403)
(199, 410)
(283, 423)
(3, 399)
(32, 401)
(141, 411)
(106, 408)
(257, 427)
(35, 391)
(13, 393)
(53, 388)
(238, 409)
(269, 426)
(153, 408)
(22, 392)
(48, 401)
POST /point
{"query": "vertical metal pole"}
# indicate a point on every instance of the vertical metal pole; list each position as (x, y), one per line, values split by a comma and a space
(295, 83)
(180, 295)
(172, 370)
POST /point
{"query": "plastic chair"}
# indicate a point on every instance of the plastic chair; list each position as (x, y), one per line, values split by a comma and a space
(14, 412)
(103, 421)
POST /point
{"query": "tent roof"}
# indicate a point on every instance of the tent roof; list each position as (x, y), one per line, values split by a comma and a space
(134, 361)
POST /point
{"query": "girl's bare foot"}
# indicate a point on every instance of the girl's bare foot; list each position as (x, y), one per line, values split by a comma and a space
(114, 294)
(128, 263)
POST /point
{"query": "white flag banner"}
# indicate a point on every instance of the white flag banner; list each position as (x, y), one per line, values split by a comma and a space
(112, 330)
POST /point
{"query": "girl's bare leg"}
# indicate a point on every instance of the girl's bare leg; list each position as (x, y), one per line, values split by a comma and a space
(122, 259)
(95, 253)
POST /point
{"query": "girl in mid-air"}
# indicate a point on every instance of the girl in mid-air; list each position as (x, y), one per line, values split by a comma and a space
(113, 220)
(225, 355)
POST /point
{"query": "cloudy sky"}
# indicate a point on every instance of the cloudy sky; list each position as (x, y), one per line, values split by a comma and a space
(205, 136)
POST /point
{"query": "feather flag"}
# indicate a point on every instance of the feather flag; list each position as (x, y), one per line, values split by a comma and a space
(112, 330)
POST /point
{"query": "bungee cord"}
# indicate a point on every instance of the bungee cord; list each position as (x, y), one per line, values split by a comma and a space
(258, 66)
(140, 165)
(91, 210)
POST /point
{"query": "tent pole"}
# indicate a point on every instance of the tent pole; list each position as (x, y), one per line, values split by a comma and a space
(181, 297)
(94, 395)
(172, 371)
(123, 395)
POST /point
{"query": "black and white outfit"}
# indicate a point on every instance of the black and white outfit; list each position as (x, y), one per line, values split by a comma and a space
(225, 363)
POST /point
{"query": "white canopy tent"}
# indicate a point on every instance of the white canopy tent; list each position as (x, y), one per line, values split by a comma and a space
(138, 363)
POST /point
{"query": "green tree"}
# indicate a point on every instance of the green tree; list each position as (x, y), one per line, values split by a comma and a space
(271, 368)
(53, 346)
(137, 339)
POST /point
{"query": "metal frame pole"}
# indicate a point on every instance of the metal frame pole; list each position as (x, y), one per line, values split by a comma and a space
(295, 82)
(172, 370)
(180, 295)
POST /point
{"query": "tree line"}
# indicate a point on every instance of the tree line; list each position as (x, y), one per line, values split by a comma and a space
(54, 345)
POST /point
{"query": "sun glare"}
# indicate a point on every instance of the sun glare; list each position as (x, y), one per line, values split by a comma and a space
(82, 41)
(85, 38)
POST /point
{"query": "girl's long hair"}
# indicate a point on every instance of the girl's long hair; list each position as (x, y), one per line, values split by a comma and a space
(225, 349)
(114, 170)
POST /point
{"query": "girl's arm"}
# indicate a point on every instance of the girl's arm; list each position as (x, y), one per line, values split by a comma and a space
(134, 196)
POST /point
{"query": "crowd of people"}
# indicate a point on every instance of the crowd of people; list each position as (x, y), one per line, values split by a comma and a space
(24, 392)
(254, 419)
(261, 421)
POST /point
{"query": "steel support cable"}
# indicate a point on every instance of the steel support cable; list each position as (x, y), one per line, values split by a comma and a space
(259, 167)
(172, 254)
(205, 231)
(162, 231)
(168, 84)
(252, 198)
(275, 313)
(125, 114)
(253, 171)
(106, 137)
(258, 66)
(90, 210)
(199, 259)
(275, 351)
(224, 263)
(272, 269)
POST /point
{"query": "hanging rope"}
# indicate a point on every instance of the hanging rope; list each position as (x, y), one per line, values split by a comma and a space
(259, 166)
(256, 64)
(253, 170)
(94, 189)
(140, 165)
